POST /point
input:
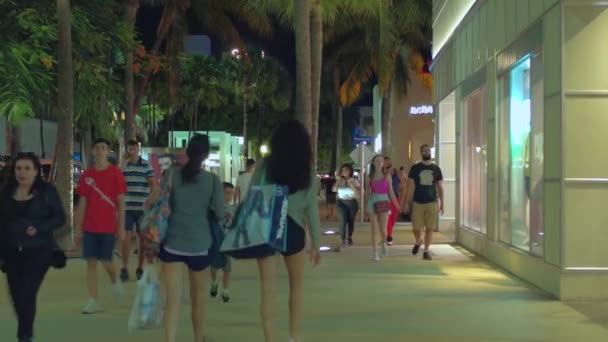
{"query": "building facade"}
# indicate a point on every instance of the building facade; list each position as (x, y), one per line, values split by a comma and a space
(521, 102)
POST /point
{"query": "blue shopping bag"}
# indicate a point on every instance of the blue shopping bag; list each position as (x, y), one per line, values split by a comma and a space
(259, 228)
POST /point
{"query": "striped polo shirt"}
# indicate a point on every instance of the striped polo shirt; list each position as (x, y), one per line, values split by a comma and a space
(138, 189)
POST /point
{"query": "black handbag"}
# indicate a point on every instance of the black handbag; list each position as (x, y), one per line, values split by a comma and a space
(58, 258)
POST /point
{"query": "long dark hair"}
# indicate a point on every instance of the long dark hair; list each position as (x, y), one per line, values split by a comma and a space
(11, 183)
(197, 151)
(372, 168)
(290, 159)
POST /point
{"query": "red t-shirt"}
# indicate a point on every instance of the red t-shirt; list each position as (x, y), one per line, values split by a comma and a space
(101, 188)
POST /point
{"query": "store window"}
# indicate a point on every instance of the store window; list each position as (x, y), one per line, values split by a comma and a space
(521, 155)
(474, 161)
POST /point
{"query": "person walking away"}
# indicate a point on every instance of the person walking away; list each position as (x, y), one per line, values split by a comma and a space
(426, 186)
(290, 164)
(348, 189)
(225, 263)
(100, 215)
(378, 204)
(243, 181)
(395, 210)
(31, 212)
(189, 238)
(139, 176)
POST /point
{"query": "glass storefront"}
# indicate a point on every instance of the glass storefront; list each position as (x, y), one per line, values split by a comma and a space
(446, 144)
(521, 154)
(474, 162)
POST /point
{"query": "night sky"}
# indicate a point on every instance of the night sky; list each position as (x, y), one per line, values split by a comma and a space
(280, 46)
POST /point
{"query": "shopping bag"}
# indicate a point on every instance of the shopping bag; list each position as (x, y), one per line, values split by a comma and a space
(154, 222)
(147, 310)
(259, 228)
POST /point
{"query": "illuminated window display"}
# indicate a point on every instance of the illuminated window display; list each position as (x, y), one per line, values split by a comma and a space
(521, 155)
(474, 164)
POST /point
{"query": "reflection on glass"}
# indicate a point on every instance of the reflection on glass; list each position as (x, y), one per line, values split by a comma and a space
(474, 166)
(522, 170)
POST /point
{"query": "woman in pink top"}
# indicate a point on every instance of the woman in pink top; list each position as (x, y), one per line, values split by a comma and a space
(378, 208)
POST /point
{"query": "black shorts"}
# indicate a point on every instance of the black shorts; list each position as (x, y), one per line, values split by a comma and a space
(296, 238)
(195, 263)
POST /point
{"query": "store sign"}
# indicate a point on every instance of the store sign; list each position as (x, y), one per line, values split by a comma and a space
(421, 110)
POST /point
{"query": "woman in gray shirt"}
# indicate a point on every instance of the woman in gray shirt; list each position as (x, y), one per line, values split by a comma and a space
(189, 236)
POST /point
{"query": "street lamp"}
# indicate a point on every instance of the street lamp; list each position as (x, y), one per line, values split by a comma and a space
(264, 150)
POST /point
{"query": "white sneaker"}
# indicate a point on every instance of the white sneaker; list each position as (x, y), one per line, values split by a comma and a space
(92, 307)
(376, 257)
(119, 290)
(384, 250)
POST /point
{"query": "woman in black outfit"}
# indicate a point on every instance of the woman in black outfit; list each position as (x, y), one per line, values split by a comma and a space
(30, 210)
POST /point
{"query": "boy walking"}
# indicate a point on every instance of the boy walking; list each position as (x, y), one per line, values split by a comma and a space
(100, 215)
(139, 177)
(224, 262)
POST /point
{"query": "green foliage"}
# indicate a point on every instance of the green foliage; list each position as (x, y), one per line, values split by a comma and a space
(27, 36)
(28, 43)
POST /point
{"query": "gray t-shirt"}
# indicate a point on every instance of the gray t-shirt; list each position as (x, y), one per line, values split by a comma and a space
(189, 231)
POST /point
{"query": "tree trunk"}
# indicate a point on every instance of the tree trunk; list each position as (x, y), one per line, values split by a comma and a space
(65, 102)
(303, 63)
(167, 20)
(387, 147)
(190, 126)
(15, 140)
(130, 131)
(316, 49)
(335, 106)
(261, 109)
(7, 138)
(87, 141)
(339, 135)
(245, 137)
(196, 102)
(41, 121)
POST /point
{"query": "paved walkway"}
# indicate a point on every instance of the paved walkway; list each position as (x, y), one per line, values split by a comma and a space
(454, 298)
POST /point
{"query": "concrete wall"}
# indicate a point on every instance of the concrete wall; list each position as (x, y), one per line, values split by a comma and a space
(30, 137)
(585, 167)
(410, 131)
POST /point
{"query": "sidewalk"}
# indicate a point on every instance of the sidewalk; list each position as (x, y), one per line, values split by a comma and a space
(454, 298)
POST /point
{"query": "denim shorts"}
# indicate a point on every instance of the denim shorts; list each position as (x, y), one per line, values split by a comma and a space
(98, 246)
(375, 198)
(132, 218)
(195, 263)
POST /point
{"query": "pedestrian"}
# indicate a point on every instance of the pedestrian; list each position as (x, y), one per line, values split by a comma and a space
(224, 261)
(348, 189)
(290, 163)
(189, 237)
(426, 187)
(31, 212)
(378, 204)
(100, 216)
(395, 209)
(139, 176)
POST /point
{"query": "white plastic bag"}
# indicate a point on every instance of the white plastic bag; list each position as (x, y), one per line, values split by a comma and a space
(147, 310)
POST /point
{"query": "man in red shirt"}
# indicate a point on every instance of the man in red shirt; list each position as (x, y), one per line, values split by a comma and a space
(100, 214)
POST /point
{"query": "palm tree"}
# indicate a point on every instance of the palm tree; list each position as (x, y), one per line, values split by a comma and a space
(385, 43)
(303, 63)
(65, 103)
(311, 21)
(130, 15)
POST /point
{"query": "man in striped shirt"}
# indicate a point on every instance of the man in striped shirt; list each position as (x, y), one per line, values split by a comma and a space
(139, 176)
